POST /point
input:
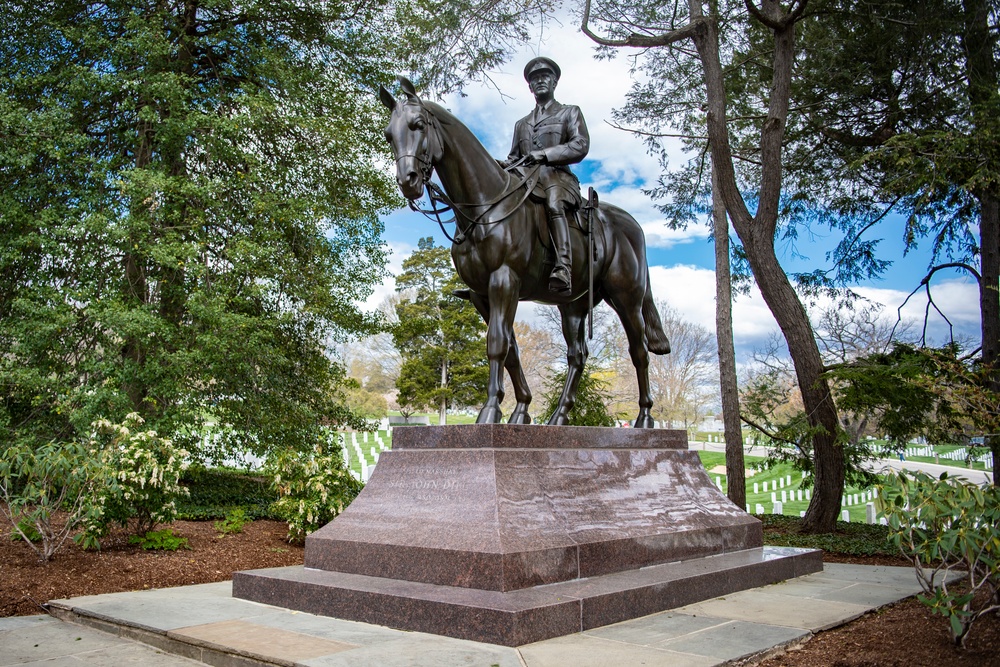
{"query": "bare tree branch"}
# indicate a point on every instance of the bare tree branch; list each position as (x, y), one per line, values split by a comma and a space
(693, 28)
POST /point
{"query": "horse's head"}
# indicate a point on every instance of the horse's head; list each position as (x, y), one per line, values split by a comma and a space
(414, 134)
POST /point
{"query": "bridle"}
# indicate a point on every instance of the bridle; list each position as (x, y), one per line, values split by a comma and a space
(441, 203)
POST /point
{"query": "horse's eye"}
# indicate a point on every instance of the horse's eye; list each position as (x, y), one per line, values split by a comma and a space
(418, 124)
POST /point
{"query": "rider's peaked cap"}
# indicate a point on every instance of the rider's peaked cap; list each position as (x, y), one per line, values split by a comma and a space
(539, 64)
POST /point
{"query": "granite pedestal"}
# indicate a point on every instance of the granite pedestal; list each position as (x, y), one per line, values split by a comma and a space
(513, 534)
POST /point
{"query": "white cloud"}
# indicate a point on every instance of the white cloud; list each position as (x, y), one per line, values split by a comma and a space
(660, 235)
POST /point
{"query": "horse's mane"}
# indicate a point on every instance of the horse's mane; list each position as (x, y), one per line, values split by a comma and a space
(444, 116)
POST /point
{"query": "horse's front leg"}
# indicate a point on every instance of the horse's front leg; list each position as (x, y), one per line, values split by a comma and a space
(503, 291)
(513, 365)
(574, 317)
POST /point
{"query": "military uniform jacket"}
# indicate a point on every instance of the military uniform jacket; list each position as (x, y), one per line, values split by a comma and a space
(561, 133)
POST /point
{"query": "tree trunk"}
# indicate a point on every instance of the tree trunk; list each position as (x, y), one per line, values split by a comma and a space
(735, 467)
(817, 401)
(989, 302)
(757, 233)
(443, 408)
(981, 71)
(136, 288)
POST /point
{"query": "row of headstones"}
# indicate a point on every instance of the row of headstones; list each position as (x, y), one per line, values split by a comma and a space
(366, 469)
(871, 516)
(958, 455)
(963, 453)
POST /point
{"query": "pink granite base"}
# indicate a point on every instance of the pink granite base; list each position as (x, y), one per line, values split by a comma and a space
(510, 534)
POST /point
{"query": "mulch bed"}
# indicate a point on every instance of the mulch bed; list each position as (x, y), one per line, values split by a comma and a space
(902, 634)
(905, 634)
(26, 583)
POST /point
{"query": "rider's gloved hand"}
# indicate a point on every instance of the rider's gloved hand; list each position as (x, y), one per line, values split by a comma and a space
(536, 157)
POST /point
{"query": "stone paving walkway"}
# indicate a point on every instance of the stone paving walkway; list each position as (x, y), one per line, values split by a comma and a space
(195, 625)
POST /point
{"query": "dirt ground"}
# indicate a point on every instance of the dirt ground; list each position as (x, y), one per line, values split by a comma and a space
(902, 634)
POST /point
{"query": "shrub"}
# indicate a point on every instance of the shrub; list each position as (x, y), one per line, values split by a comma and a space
(160, 540)
(214, 492)
(235, 519)
(141, 481)
(849, 539)
(36, 483)
(25, 530)
(313, 487)
(944, 526)
(589, 409)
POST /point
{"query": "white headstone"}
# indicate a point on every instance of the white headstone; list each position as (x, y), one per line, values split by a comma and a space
(765, 487)
(870, 513)
(798, 494)
(774, 497)
(802, 513)
(755, 485)
(845, 516)
(789, 478)
(882, 521)
(781, 482)
(808, 494)
(778, 508)
(784, 496)
(759, 508)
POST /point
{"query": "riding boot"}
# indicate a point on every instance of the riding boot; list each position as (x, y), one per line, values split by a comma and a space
(561, 279)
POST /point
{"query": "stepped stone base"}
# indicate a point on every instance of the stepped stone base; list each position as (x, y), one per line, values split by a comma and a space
(512, 534)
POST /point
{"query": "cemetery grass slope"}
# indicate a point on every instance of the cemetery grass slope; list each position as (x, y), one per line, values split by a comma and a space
(902, 634)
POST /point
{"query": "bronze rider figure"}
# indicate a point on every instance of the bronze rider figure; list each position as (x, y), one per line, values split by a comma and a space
(554, 136)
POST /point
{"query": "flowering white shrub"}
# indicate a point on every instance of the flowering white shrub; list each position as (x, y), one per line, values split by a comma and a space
(142, 472)
(313, 486)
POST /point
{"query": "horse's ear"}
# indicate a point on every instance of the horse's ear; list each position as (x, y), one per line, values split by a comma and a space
(387, 99)
(407, 87)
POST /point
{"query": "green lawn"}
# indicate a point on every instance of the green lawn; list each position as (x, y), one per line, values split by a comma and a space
(712, 460)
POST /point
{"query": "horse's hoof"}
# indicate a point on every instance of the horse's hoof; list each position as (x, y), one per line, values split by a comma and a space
(489, 415)
(558, 419)
(519, 416)
(644, 421)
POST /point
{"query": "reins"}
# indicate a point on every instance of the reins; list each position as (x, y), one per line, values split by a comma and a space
(436, 195)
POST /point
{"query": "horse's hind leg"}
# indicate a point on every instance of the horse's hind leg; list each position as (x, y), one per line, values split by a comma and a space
(628, 305)
(574, 318)
(513, 365)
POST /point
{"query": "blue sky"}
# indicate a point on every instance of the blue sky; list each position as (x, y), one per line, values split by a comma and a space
(681, 262)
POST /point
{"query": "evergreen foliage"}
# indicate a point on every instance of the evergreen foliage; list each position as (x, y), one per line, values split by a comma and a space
(590, 408)
(440, 336)
(189, 197)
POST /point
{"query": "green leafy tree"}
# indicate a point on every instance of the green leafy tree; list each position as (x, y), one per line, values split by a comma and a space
(720, 73)
(904, 117)
(591, 406)
(440, 336)
(189, 201)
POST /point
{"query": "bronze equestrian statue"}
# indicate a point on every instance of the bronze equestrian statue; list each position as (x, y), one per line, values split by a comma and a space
(501, 251)
(554, 136)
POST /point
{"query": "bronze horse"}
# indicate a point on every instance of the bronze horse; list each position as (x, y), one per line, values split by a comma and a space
(500, 253)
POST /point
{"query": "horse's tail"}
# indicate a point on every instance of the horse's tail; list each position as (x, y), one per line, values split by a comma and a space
(656, 338)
